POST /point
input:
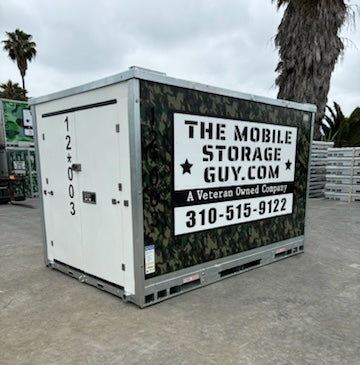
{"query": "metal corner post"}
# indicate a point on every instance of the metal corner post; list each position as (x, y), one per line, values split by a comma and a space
(31, 174)
(136, 187)
(2, 124)
(38, 167)
(309, 170)
(3, 162)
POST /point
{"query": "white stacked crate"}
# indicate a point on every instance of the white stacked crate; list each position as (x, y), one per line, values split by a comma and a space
(343, 174)
(318, 168)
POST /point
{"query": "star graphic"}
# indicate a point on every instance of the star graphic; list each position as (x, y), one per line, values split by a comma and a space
(288, 164)
(186, 167)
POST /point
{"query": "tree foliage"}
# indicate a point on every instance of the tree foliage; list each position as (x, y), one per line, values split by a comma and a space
(309, 47)
(12, 91)
(343, 131)
(21, 49)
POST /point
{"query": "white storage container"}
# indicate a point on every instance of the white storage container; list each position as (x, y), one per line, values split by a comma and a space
(152, 186)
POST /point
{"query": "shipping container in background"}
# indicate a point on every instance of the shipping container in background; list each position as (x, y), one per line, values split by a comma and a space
(152, 186)
(17, 153)
(22, 162)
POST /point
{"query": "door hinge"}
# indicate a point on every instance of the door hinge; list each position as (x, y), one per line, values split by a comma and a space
(117, 128)
(43, 136)
(123, 267)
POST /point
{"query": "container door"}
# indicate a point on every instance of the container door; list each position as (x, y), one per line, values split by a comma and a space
(60, 188)
(101, 208)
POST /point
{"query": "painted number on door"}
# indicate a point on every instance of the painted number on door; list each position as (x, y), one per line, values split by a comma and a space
(70, 172)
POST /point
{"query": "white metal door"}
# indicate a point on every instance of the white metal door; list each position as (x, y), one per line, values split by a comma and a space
(56, 138)
(99, 182)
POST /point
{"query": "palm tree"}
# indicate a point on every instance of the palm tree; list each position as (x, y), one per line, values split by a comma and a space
(12, 91)
(343, 131)
(354, 128)
(309, 46)
(332, 124)
(21, 49)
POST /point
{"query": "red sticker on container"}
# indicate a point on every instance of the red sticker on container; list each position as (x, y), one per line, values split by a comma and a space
(191, 278)
(282, 249)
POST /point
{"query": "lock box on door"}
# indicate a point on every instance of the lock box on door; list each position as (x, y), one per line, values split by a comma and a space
(152, 186)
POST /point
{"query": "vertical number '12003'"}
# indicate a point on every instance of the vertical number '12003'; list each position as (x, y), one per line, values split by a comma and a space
(70, 172)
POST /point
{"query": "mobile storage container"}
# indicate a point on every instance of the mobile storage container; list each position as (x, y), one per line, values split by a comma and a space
(17, 155)
(152, 186)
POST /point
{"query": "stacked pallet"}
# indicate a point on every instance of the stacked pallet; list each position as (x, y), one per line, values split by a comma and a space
(318, 168)
(343, 174)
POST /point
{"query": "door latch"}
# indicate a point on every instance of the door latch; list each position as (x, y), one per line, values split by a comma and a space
(76, 167)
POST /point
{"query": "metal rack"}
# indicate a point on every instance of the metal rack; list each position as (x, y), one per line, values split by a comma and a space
(343, 174)
(318, 164)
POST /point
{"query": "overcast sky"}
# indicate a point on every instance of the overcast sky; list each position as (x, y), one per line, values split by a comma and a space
(225, 43)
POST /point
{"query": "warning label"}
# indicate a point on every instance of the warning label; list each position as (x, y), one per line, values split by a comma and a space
(149, 259)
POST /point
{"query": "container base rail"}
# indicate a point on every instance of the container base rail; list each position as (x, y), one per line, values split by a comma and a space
(170, 287)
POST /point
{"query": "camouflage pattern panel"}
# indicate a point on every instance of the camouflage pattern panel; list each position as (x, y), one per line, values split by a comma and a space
(158, 102)
(2, 130)
(17, 187)
(33, 173)
(21, 162)
(18, 122)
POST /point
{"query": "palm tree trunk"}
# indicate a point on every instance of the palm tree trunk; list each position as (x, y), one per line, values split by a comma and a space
(309, 46)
